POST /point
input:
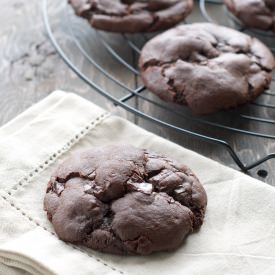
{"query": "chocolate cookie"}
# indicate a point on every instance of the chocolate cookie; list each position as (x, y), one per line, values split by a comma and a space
(206, 66)
(130, 16)
(259, 14)
(124, 200)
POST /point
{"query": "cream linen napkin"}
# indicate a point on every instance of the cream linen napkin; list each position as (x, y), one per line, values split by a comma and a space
(238, 236)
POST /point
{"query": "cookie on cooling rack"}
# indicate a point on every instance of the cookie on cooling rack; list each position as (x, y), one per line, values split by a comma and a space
(123, 200)
(206, 66)
(259, 14)
(133, 16)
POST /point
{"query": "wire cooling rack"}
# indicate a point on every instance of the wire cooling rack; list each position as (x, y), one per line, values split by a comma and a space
(245, 121)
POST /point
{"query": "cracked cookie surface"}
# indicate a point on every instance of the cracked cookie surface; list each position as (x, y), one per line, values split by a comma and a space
(124, 200)
(259, 14)
(206, 66)
(132, 16)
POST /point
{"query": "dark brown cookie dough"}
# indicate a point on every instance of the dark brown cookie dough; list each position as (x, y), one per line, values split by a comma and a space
(130, 16)
(259, 14)
(124, 200)
(206, 66)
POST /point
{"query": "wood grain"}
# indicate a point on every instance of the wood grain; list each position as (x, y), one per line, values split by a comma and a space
(30, 69)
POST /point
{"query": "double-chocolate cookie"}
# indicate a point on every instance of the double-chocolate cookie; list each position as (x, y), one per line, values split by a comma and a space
(206, 66)
(259, 14)
(132, 16)
(124, 200)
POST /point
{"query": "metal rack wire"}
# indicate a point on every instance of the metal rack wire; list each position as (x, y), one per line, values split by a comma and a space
(141, 93)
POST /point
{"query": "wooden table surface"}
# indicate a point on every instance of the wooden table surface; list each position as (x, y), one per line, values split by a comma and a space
(30, 69)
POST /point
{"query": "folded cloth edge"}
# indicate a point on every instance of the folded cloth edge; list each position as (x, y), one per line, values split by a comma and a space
(21, 262)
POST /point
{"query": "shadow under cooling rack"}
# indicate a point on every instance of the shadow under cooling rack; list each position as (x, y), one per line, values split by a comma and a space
(255, 120)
